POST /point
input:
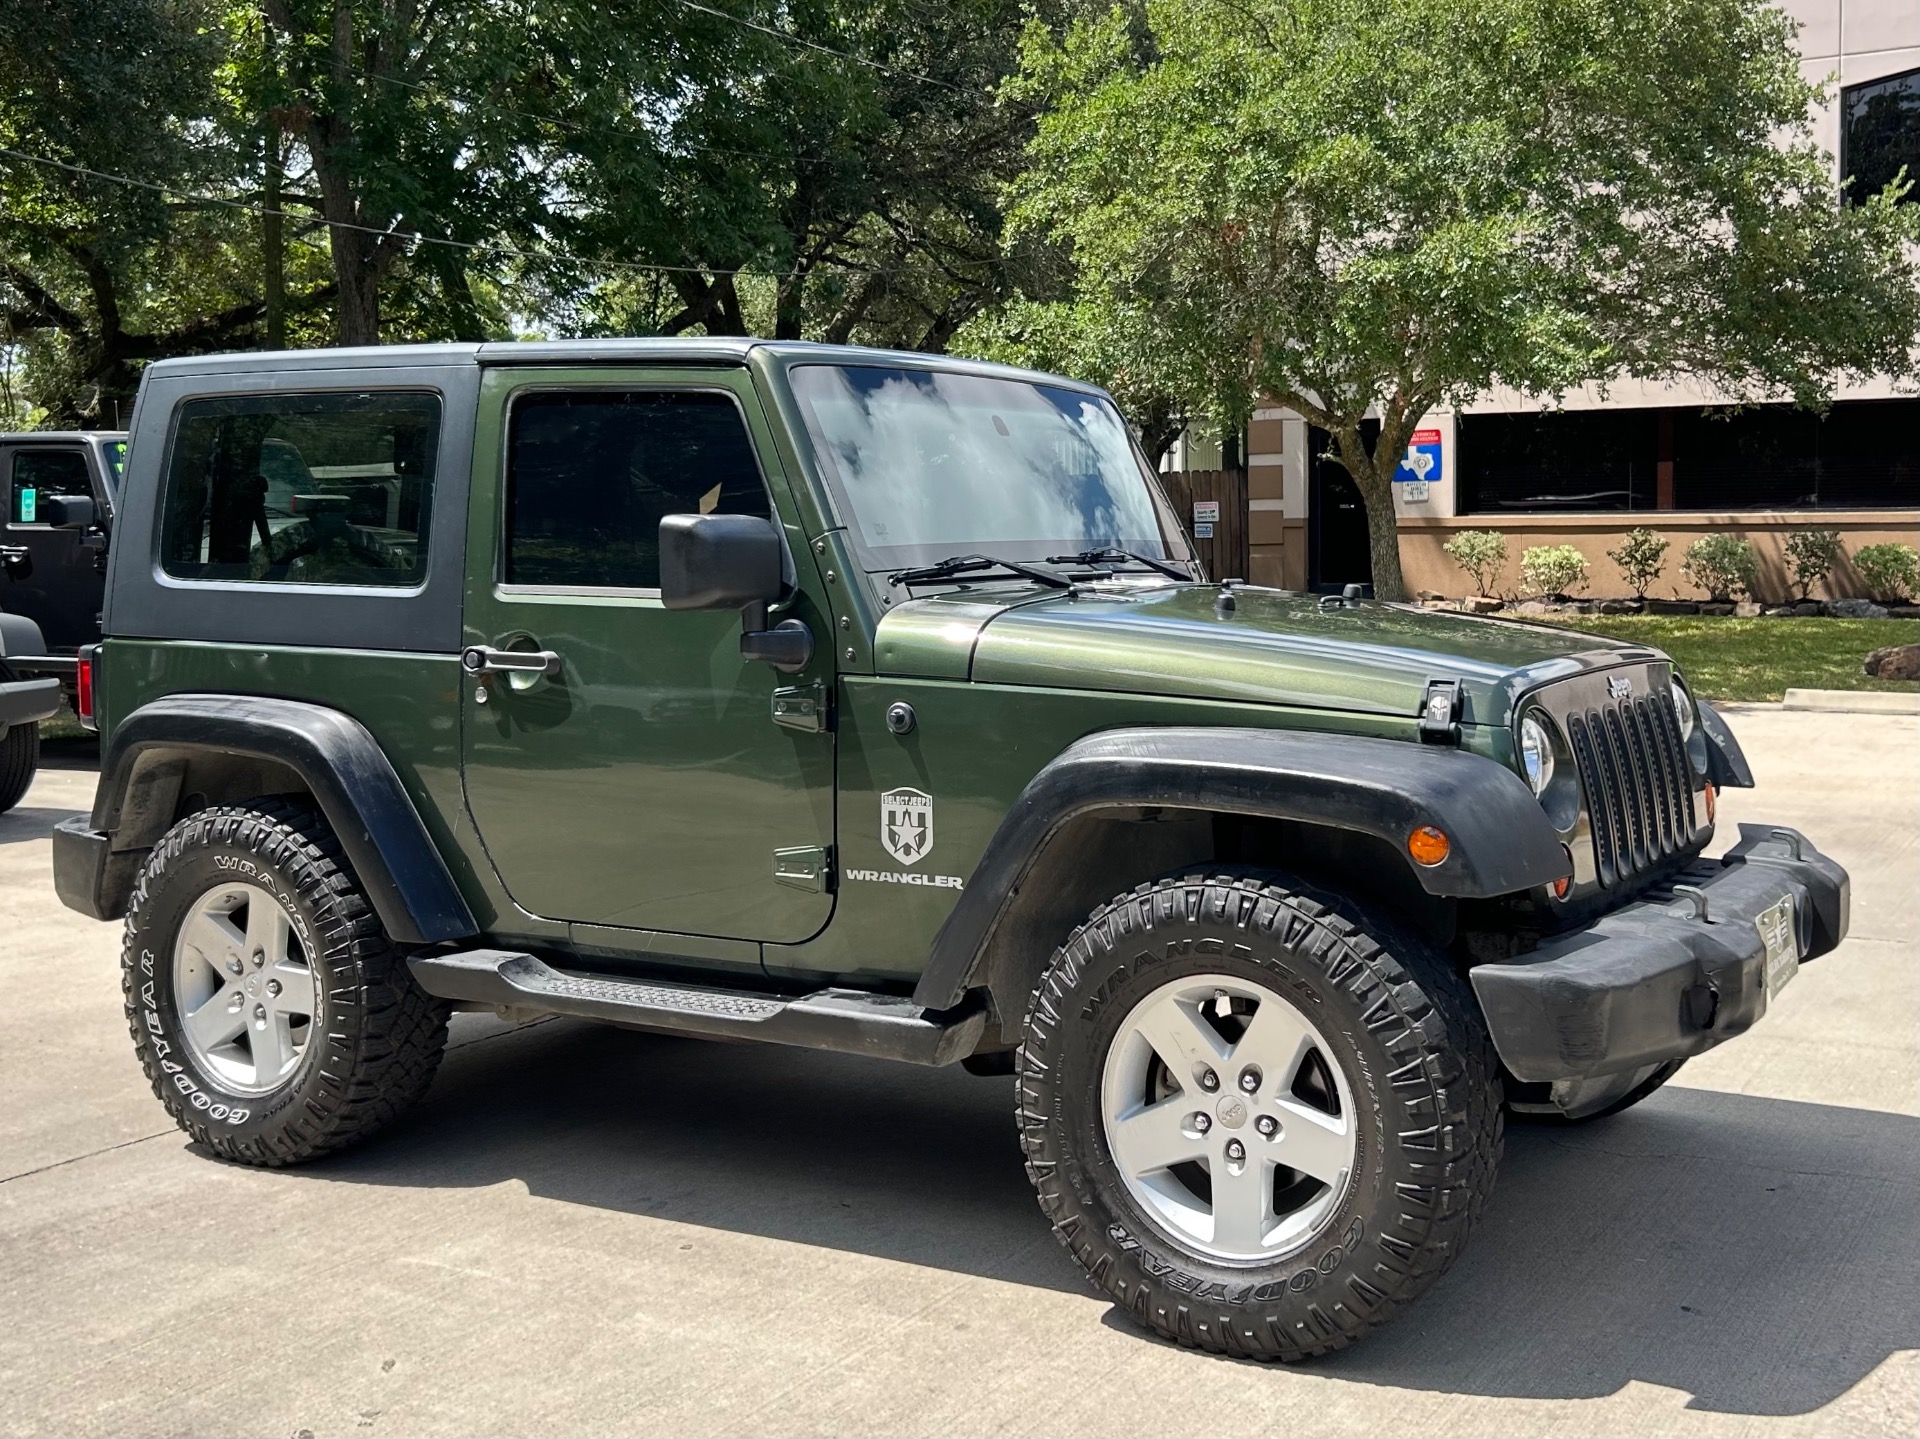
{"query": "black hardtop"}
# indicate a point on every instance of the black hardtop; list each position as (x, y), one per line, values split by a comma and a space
(695, 350)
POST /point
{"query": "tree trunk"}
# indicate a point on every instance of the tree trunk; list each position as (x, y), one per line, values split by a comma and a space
(357, 274)
(1383, 537)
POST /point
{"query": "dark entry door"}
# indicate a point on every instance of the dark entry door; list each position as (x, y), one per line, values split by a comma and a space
(1338, 552)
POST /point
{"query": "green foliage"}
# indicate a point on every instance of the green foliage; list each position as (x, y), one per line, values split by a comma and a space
(1811, 556)
(1372, 207)
(1890, 572)
(1553, 569)
(1482, 554)
(1641, 557)
(1722, 565)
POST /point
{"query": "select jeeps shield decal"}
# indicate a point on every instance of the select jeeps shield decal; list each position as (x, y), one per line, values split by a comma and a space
(906, 824)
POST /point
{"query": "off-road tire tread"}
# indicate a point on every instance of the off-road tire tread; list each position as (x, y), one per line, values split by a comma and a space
(19, 759)
(1447, 1079)
(393, 1031)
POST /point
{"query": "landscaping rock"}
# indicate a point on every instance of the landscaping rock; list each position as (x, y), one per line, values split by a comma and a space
(1582, 607)
(1810, 607)
(1673, 607)
(1716, 607)
(1620, 607)
(1481, 604)
(1904, 612)
(1747, 609)
(1427, 597)
(1536, 607)
(1781, 611)
(1856, 610)
(1437, 604)
(1895, 662)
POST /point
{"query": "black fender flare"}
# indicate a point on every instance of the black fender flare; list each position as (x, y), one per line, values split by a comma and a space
(1502, 841)
(344, 768)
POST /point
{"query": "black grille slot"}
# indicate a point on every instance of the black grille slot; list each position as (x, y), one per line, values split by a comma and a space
(1637, 782)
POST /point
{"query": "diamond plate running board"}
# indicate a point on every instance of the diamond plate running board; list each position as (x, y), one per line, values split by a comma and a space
(848, 1021)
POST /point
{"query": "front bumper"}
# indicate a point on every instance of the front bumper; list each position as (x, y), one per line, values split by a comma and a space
(1669, 976)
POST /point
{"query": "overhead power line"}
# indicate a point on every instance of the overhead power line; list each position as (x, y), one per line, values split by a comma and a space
(793, 39)
(510, 252)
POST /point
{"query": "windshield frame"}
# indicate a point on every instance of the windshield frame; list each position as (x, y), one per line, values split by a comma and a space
(1175, 545)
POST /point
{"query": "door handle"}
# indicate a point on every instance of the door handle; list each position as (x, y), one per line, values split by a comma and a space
(484, 659)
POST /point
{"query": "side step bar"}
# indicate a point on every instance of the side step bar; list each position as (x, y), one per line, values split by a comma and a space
(849, 1021)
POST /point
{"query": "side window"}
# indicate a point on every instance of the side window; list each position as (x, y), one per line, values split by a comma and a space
(301, 489)
(39, 473)
(590, 473)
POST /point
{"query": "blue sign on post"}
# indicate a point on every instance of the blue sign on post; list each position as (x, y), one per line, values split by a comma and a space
(1420, 466)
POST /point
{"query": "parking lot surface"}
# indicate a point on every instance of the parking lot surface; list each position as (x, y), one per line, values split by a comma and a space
(587, 1231)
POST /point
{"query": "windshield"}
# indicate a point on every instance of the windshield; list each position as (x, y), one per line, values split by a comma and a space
(925, 464)
(116, 456)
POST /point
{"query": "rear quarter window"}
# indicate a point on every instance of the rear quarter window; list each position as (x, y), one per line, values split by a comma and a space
(327, 489)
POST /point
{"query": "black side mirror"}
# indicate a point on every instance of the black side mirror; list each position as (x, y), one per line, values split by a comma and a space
(732, 562)
(68, 512)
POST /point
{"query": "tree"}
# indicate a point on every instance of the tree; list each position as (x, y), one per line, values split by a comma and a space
(1367, 208)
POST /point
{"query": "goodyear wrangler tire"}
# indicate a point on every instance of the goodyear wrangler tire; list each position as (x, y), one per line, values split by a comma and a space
(273, 1017)
(1257, 1128)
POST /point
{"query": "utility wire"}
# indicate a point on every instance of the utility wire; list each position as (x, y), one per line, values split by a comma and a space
(505, 251)
(792, 39)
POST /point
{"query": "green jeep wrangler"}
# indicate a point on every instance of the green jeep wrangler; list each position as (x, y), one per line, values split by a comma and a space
(875, 702)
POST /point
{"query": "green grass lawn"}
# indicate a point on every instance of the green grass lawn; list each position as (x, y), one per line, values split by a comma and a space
(1759, 659)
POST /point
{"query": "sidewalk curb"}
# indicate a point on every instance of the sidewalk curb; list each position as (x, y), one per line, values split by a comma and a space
(1859, 702)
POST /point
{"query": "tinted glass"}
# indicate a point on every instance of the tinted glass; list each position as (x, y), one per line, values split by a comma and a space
(116, 453)
(1564, 460)
(591, 473)
(1880, 133)
(1862, 454)
(39, 473)
(928, 464)
(302, 489)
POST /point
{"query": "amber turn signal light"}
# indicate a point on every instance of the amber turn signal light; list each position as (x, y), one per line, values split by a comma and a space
(1712, 795)
(1561, 885)
(1428, 845)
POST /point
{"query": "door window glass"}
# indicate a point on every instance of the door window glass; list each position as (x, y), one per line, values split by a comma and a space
(40, 473)
(591, 473)
(302, 489)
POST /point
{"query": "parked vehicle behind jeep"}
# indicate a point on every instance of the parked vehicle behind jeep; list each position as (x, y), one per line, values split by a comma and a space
(875, 702)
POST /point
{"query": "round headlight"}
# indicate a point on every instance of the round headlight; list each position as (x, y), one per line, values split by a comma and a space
(1683, 710)
(1536, 754)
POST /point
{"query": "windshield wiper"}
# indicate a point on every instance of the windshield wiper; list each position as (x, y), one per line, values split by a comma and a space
(956, 565)
(1113, 554)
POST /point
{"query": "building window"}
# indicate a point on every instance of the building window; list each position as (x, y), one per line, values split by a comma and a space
(329, 489)
(1880, 133)
(1862, 454)
(1557, 460)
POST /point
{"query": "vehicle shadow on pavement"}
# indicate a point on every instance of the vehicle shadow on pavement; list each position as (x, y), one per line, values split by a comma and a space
(1757, 1254)
(29, 822)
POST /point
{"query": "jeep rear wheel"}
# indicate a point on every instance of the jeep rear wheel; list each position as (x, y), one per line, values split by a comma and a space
(19, 758)
(274, 1018)
(1256, 1128)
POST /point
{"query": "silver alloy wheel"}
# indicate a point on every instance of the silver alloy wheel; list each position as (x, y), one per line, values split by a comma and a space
(243, 988)
(1228, 1117)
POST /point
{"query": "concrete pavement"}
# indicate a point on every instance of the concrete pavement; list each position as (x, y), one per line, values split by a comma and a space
(590, 1231)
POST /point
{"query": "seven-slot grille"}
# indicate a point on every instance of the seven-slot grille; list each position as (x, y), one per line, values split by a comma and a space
(1637, 781)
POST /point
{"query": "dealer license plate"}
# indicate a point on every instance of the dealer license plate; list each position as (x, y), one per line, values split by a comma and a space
(1781, 937)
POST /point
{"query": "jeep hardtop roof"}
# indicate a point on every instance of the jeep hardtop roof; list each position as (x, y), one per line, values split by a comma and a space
(669, 350)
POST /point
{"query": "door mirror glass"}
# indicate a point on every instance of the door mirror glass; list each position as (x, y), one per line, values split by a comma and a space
(718, 562)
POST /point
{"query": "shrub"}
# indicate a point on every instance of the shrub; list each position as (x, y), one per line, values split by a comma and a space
(1553, 569)
(1642, 556)
(1890, 572)
(1482, 554)
(1811, 556)
(1722, 565)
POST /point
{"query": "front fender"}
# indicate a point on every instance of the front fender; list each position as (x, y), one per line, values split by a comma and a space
(1501, 839)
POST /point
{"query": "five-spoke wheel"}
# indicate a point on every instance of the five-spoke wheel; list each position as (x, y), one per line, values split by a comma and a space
(1227, 1117)
(244, 987)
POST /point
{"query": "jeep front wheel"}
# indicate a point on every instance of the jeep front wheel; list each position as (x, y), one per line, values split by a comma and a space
(273, 1017)
(1256, 1128)
(19, 758)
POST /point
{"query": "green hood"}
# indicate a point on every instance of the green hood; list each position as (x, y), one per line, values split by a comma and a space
(1273, 647)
